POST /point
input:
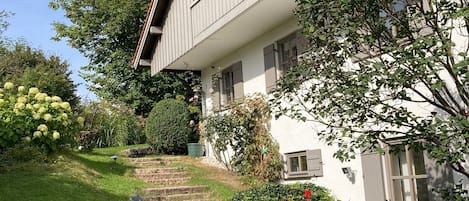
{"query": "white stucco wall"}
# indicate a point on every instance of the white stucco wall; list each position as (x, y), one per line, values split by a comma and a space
(291, 135)
(295, 136)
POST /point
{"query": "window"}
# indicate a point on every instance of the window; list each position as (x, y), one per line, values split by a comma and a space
(407, 174)
(297, 163)
(396, 18)
(227, 86)
(401, 24)
(288, 52)
(306, 163)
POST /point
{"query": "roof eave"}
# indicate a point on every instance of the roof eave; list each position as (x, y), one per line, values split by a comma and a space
(144, 33)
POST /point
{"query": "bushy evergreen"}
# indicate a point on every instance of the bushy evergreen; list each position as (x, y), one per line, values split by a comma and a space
(168, 128)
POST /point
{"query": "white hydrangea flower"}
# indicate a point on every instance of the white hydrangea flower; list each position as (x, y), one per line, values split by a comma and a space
(55, 135)
(42, 128)
(33, 91)
(8, 85)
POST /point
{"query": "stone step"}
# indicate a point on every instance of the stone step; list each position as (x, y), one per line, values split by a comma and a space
(175, 190)
(160, 175)
(167, 181)
(180, 197)
(145, 159)
(166, 158)
(154, 161)
(151, 163)
(158, 170)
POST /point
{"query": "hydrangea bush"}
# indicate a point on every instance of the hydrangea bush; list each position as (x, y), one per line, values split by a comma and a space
(30, 116)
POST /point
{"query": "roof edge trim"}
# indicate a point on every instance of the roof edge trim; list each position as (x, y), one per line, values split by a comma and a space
(144, 33)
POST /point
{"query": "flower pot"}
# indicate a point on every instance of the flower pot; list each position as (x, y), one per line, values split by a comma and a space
(195, 149)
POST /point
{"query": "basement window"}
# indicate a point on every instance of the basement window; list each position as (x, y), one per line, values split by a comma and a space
(303, 164)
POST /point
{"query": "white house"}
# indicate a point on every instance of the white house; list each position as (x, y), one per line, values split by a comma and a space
(251, 42)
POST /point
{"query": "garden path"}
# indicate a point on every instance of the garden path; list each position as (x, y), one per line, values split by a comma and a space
(159, 170)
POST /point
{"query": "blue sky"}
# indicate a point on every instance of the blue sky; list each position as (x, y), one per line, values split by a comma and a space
(32, 22)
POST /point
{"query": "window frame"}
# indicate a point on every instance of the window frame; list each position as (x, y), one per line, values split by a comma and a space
(411, 176)
(299, 173)
(370, 52)
(227, 89)
(313, 165)
(285, 64)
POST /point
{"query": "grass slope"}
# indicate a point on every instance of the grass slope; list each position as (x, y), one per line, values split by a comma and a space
(72, 176)
(95, 176)
(223, 183)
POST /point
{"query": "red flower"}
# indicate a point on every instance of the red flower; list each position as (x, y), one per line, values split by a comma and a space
(308, 194)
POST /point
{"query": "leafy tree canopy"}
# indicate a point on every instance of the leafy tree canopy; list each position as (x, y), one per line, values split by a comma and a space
(30, 67)
(376, 70)
(106, 32)
(3, 22)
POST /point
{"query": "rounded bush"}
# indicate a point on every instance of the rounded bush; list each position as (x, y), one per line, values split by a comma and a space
(168, 129)
(292, 192)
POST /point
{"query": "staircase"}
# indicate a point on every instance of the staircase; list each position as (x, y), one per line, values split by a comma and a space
(162, 176)
(155, 170)
(177, 193)
(155, 161)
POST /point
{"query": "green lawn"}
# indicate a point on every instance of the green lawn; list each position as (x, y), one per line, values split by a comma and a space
(73, 176)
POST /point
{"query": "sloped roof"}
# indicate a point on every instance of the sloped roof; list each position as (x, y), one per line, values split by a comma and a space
(154, 17)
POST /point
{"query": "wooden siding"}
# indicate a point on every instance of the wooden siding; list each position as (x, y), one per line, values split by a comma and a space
(207, 12)
(176, 38)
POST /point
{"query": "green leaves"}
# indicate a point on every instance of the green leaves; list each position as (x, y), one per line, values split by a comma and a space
(244, 129)
(31, 117)
(371, 74)
(32, 68)
(107, 32)
(275, 192)
(168, 127)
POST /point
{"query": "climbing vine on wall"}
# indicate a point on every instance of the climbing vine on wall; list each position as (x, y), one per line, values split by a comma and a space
(244, 129)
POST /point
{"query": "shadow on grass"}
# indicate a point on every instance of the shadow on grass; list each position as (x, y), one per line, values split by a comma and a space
(26, 186)
(102, 163)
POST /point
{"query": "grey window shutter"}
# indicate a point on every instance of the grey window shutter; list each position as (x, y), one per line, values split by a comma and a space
(238, 80)
(439, 175)
(270, 69)
(216, 92)
(301, 42)
(314, 159)
(373, 176)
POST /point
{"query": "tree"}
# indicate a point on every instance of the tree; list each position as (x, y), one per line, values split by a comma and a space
(381, 69)
(106, 32)
(3, 23)
(30, 67)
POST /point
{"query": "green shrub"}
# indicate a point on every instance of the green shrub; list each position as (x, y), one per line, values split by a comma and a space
(31, 117)
(245, 129)
(167, 128)
(23, 152)
(108, 125)
(292, 192)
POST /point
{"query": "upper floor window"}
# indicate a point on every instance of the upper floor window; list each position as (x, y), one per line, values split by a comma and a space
(288, 52)
(282, 56)
(396, 17)
(227, 86)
